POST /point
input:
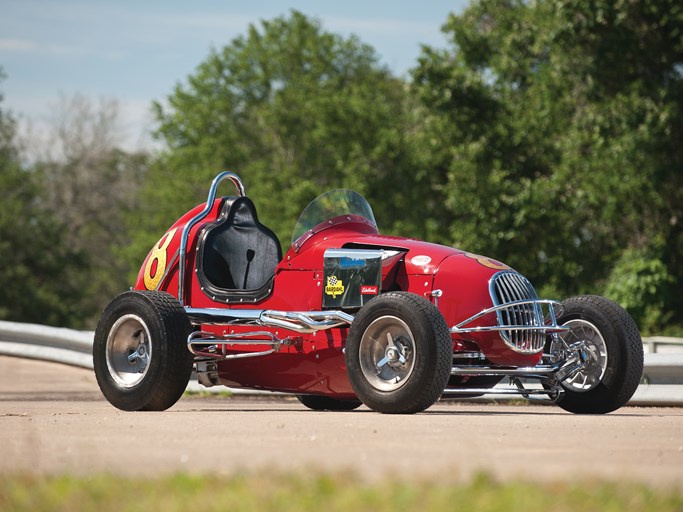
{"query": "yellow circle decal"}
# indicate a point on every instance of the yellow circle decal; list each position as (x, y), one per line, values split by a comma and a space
(487, 262)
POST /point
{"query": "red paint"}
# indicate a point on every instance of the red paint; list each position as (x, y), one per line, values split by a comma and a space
(315, 363)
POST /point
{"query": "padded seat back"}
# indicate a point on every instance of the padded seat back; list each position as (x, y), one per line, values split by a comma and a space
(238, 252)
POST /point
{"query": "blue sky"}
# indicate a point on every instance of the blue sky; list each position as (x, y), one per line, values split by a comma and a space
(135, 51)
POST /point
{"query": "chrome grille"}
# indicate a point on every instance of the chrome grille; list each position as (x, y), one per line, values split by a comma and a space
(509, 287)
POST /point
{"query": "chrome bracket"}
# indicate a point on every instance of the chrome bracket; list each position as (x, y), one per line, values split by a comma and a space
(211, 346)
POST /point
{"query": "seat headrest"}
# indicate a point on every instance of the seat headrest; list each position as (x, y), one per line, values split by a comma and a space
(239, 211)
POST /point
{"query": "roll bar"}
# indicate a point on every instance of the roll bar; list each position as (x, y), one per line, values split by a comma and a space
(194, 220)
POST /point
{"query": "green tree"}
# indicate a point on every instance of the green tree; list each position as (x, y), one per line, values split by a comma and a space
(41, 275)
(293, 110)
(556, 130)
(90, 185)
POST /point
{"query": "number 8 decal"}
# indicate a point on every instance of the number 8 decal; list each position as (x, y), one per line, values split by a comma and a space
(159, 255)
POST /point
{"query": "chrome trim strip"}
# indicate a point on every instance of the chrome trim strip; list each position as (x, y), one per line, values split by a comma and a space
(468, 355)
(194, 220)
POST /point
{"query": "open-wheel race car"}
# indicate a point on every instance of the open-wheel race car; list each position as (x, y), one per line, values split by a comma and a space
(348, 317)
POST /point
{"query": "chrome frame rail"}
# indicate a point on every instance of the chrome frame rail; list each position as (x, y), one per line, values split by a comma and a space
(304, 322)
(549, 374)
(194, 220)
(499, 391)
(559, 370)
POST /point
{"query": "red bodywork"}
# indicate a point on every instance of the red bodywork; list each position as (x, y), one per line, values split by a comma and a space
(314, 363)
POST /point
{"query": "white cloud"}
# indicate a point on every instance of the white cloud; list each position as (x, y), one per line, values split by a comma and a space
(55, 50)
(16, 45)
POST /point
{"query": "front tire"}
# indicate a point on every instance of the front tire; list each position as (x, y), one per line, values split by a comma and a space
(399, 353)
(615, 355)
(140, 351)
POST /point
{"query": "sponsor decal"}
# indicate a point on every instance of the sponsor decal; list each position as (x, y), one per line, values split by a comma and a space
(334, 287)
(347, 262)
(420, 260)
(369, 290)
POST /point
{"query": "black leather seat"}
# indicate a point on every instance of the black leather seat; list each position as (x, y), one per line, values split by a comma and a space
(238, 254)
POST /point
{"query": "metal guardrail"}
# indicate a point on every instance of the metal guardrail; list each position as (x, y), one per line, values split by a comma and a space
(662, 377)
(663, 344)
(56, 344)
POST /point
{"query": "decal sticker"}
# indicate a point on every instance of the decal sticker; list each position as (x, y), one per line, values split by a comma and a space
(153, 274)
(421, 260)
(487, 262)
(369, 290)
(334, 287)
(347, 262)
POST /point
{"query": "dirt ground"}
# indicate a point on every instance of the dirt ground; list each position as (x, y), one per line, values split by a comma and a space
(54, 420)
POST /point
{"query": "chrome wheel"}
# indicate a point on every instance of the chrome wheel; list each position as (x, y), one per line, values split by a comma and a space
(140, 351)
(128, 351)
(606, 340)
(595, 350)
(387, 353)
(399, 353)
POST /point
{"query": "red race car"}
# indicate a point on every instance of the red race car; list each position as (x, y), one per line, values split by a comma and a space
(348, 317)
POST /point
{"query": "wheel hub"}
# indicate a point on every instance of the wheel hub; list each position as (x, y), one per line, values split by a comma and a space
(392, 354)
(136, 355)
(128, 351)
(386, 353)
(585, 340)
(395, 355)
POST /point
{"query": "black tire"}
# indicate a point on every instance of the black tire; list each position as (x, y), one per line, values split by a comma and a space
(611, 377)
(152, 329)
(405, 367)
(325, 403)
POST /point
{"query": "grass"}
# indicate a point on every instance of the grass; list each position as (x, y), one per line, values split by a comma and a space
(330, 492)
(202, 393)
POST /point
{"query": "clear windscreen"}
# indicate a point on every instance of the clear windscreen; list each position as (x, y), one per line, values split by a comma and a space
(329, 205)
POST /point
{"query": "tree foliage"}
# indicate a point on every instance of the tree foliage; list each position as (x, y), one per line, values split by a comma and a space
(557, 129)
(294, 110)
(40, 276)
(62, 229)
(546, 134)
(91, 187)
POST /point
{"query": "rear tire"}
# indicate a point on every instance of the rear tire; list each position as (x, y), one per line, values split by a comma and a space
(615, 352)
(399, 353)
(324, 403)
(140, 351)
